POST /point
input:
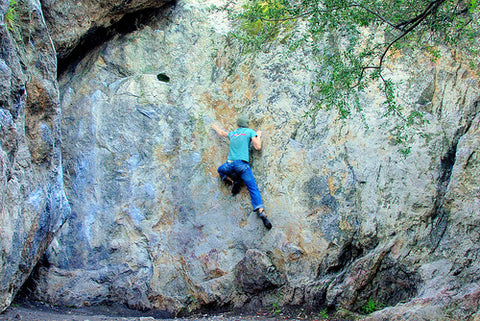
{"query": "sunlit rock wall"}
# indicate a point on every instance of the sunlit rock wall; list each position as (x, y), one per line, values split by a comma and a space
(354, 218)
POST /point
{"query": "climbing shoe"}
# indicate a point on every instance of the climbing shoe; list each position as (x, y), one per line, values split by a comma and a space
(236, 188)
(265, 220)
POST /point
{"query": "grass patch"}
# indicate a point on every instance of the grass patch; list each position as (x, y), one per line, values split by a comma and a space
(371, 306)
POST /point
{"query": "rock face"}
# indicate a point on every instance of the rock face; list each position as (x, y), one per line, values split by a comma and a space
(355, 220)
(71, 23)
(33, 204)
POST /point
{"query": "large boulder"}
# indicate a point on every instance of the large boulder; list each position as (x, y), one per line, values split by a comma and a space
(256, 273)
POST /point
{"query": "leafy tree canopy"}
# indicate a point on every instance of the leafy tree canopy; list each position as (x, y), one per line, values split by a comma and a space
(348, 54)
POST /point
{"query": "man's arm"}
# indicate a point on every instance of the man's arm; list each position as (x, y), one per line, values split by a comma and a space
(219, 131)
(257, 140)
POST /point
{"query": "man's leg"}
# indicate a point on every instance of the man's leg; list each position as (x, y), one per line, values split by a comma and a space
(223, 171)
(236, 183)
(258, 207)
(247, 177)
(229, 176)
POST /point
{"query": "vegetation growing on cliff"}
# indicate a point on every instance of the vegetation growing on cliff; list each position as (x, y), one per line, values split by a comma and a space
(12, 17)
(351, 39)
(15, 25)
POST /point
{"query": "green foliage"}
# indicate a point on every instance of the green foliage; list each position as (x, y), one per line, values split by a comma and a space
(349, 41)
(403, 134)
(323, 313)
(12, 17)
(341, 38)
(473, 6)
(261, 23)
(371, 306)
(14, 24)
(276, 308)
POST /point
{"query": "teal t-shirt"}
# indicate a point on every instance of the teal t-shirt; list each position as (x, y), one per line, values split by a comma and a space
(240, 143)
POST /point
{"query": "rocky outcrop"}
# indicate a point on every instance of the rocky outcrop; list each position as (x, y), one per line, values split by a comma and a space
(87, 22)
(256, 273)
(355, 220)
(33, 203)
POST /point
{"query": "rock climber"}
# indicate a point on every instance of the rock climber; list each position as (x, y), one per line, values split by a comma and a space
(237, 167)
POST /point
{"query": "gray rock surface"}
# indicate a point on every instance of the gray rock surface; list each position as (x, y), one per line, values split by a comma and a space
(71, 22)
(33, 205)
(355, 221)
(33, 202)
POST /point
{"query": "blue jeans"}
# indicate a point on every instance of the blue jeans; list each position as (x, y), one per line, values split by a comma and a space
(241, 169)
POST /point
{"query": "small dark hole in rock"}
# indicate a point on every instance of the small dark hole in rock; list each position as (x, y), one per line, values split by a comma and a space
(163, 77)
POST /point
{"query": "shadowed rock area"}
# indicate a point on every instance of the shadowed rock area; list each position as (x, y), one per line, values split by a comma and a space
(112, 166)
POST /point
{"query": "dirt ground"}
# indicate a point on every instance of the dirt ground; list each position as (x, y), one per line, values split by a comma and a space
(35, 311)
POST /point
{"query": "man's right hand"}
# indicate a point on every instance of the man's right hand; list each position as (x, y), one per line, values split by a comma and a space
(219, 131)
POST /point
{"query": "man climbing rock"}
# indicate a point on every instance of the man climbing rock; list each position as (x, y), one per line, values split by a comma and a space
(237, 167)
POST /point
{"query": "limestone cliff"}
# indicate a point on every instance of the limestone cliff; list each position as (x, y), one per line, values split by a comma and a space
(151, 225)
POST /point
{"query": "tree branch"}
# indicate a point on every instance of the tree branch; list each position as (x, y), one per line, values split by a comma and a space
(376, 14)
(431, 9)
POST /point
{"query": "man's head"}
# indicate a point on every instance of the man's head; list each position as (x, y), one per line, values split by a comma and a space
(243, 121)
